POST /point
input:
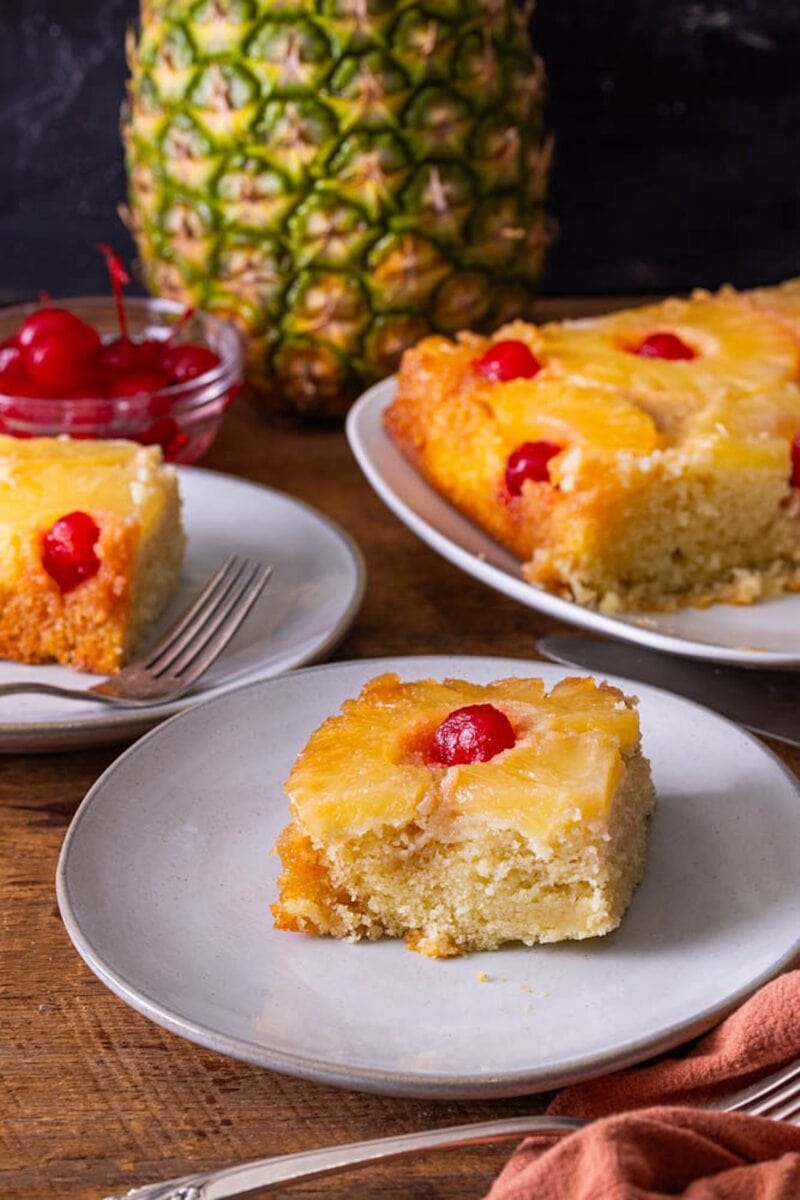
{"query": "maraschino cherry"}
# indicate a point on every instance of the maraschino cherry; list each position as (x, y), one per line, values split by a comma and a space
(147, 366)
(68, 550)
(14, 380)
(21, 386)
(48, 322)
(471, 734)
(11, 357)
(795, 480)
(55, 356)
(507, 360)
(118, 276)
(665, 345)
(529, 461)
(165, 433)
(183, 363)
(139, 383)
(63, 362)
(121, 354)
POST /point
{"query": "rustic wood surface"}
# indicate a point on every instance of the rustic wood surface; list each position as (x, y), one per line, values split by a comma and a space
(95, 1099)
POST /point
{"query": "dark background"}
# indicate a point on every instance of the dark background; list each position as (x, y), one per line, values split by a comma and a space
(677, 127)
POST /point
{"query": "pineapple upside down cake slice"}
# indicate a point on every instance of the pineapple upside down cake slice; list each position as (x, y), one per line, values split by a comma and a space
(462, 817)
(646, 459)
(91, 547)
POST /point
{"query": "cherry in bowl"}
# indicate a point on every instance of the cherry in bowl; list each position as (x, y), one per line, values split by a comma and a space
(66, 368)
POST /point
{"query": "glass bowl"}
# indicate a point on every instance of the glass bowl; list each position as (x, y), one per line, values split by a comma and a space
(183, 418)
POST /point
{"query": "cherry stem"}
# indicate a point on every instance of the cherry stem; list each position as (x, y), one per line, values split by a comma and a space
(180, 325)
(44, 299)
(118, 276)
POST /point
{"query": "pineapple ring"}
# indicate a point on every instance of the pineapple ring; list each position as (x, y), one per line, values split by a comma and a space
(600, 422)
(737, 350)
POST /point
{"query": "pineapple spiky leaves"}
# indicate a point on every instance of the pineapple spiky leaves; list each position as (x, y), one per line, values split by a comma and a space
(340, 177)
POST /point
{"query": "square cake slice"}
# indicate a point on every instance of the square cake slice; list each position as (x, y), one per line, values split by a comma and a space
(91, 546)
(462, 816)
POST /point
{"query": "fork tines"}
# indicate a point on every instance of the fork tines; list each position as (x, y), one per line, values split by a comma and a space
(210, 622)
(777, 1097)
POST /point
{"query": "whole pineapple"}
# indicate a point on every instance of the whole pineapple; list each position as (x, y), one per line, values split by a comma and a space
(340, 177)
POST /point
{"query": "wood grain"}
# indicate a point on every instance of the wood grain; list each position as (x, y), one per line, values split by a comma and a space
(95, 1099)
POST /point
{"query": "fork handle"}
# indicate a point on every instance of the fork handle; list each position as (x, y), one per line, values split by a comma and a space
(52, 689)
(266, 1174)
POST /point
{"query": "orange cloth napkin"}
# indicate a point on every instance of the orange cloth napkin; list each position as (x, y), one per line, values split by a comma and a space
(661, 1150)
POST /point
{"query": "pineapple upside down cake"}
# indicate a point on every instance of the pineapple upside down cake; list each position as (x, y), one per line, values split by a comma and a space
(462, 816)
(646, 459)
(91, 547)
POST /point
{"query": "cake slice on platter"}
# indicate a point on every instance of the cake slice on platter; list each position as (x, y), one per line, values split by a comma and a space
(462, 817)
(91, 546)
(646, 459)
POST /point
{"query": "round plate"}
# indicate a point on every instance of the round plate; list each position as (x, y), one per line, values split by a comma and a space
(309, 603)
(765, 634)
(165, 882)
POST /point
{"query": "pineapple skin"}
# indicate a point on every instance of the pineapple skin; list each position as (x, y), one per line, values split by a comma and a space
(339, 177)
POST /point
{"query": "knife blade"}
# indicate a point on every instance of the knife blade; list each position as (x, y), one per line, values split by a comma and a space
(768, 702)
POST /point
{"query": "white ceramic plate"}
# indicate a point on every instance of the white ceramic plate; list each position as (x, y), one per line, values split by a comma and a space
(165, 882)
(310, 601)
(766, 634)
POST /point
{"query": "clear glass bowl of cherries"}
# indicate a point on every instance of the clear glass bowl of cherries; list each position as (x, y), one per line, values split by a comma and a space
(93, 367)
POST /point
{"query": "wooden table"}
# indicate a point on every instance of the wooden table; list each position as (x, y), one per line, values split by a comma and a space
(95, 1099)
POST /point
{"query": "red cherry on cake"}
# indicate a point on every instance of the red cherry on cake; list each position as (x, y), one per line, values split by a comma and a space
(529, 461)
(471, 734)
(508, 360)
(795, 479)
(187, 362)
(665, 345)
(68, 550)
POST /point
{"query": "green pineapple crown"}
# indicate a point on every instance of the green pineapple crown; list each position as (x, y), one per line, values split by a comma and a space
(340, 176)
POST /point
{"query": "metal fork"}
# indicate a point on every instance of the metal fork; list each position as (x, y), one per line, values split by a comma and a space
(169, 667)
(777, 1096)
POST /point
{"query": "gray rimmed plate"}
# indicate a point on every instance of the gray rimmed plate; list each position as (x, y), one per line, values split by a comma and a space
(165, 881)
(312, 598)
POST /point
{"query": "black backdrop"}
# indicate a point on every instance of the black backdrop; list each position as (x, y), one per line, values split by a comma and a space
(677, 126)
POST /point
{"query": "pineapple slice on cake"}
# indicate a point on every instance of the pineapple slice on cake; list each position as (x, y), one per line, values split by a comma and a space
(373, 750)
(674, 357)
(598, 421)
(781, 302)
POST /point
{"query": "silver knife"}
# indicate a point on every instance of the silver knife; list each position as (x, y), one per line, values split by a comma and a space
(768, 702)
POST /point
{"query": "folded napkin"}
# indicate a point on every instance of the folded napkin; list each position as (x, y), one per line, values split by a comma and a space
(661, 1149)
